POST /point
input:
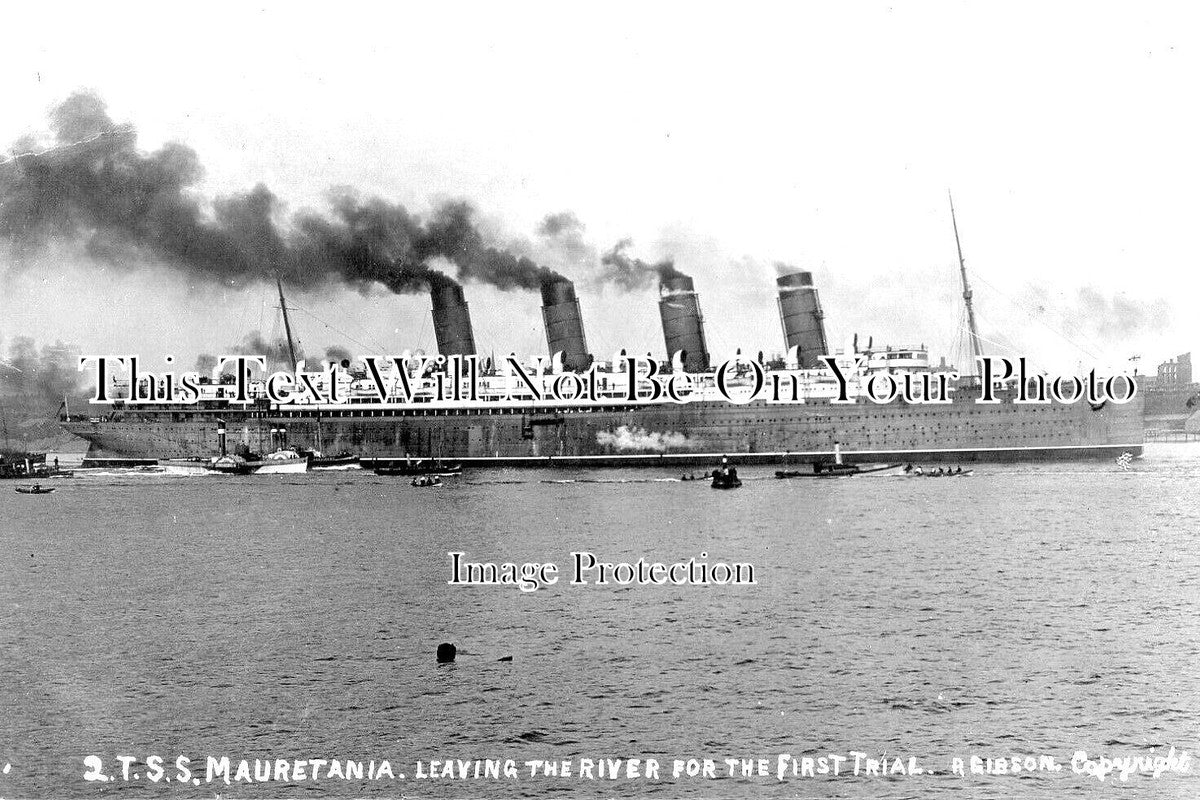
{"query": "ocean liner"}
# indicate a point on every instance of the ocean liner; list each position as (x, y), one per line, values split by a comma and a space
(507, 425)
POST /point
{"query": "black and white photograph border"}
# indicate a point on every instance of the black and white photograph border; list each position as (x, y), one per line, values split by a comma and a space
(526, 399)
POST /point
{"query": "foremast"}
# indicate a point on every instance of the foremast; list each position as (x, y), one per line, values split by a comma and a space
(287, 329)
(287, 323)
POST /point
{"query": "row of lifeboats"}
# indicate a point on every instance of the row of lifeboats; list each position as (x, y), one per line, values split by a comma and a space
(937, 472)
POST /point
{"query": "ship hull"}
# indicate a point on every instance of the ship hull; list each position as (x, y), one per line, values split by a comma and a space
(677, 435)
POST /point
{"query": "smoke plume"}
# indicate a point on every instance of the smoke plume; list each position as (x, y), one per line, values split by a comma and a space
(1121, 317)
(633, 273)
(452, 234)
(1090, 316)
(205, 364)
(276, 351)
(93, 187)
(252, 344)
(337, 354)
(562, 233)
(34, 381)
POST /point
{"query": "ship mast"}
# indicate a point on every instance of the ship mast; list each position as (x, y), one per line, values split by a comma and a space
(287, 324)
(976, 348)
(287, 329)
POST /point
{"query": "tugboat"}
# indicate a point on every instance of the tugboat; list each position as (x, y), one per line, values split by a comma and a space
(725, 476)
(14, 465)
(244, 462)
(838, 469)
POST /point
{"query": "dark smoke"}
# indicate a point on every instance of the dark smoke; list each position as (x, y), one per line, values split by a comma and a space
(34, 382)
(252, 344)
(452, 233)
(363, 242)
(633, 273)
(560, 224)
(276, 351)
(82, 116)
(205, 364)
(125, 206)
(337, 353)
(562, 233)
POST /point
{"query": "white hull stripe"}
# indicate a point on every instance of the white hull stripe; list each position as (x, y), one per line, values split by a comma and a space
(778, 454)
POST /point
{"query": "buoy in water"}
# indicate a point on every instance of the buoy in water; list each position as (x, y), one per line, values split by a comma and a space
(446, 653)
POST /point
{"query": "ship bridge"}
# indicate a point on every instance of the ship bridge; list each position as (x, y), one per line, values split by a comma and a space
(893, 359)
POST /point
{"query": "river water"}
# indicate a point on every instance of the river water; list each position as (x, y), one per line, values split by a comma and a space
(1029, 610)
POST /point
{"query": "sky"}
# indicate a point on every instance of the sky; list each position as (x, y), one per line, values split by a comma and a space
(732, 138)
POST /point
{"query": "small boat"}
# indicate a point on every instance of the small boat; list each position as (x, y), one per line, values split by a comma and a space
(419, 466)
(342, 461)
(426, 481)
(838, 469)
(725, 476)
(318, 460)
(35, 489)
(820, 470)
